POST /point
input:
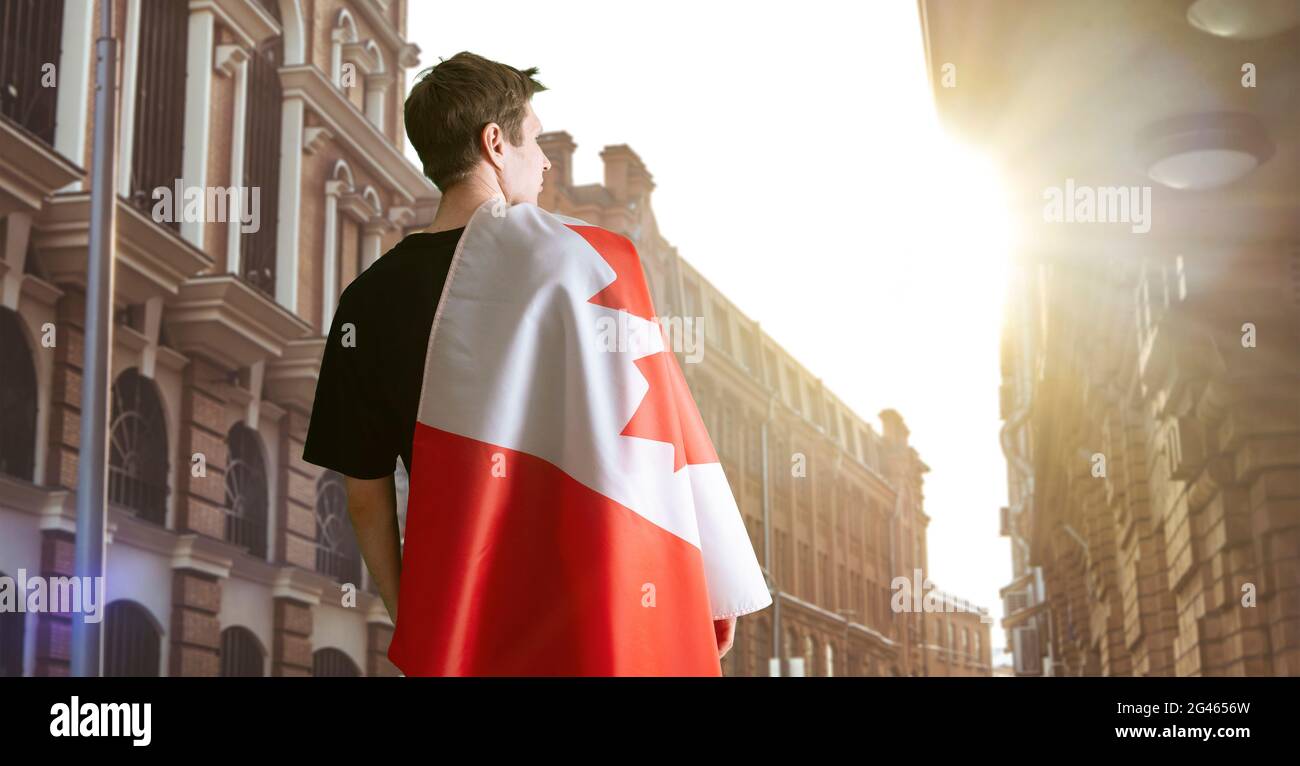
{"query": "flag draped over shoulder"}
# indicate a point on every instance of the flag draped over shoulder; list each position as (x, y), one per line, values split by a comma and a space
(567, 514)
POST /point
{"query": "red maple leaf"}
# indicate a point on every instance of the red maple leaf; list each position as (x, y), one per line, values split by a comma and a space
(628, 291)
(667, 413)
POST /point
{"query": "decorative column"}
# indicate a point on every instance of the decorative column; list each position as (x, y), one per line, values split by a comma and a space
(232, 61)
(72, 105)
(198, 111)
(338, 36)
(372, 239)
(18, 229)
(286, 244)
(331, 281)
(376, 89)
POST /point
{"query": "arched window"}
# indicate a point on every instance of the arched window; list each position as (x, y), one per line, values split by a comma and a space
(17, 400)
(376, 88)
(337, 553)
(137, 456)
(345, 31)
(341, 183)
(11, 641)
(241, 654)
(131, 641)
(369, 244)
(156, 153)
(262, 162)
(333, 663)
(246, 491)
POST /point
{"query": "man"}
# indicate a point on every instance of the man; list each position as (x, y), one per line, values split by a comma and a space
(472, 123)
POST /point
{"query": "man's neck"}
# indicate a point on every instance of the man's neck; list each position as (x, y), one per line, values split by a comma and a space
(459, 203)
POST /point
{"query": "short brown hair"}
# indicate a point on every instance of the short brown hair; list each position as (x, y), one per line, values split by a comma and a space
(453, 101)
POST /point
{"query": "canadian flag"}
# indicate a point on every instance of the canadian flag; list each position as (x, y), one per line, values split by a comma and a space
(567, 514)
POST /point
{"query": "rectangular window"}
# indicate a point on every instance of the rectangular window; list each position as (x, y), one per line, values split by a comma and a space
(721, 328)
(815, 404)
(754, 448)
(728, 435)
(824, 573)
(159, 104)
(748, 352)
(30, 32)
(692, 296)
(807, 587)
(262, 161)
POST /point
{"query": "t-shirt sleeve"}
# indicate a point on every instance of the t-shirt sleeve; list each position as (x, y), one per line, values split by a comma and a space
(349, 430)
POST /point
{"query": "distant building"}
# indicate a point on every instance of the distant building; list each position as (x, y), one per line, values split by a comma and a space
(839, 533)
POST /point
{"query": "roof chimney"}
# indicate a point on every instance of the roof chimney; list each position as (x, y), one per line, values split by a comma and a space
(895, 429)
(625, 175)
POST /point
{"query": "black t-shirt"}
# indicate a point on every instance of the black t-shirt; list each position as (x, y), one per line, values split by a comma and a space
(368, 392)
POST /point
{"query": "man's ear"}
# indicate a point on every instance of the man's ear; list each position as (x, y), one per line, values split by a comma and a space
(492, 140)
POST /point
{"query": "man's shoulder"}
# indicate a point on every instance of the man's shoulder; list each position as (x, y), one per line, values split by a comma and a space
(398, 270)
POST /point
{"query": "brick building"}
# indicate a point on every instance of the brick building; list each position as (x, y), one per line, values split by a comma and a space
(1151, 379)
(227, 553)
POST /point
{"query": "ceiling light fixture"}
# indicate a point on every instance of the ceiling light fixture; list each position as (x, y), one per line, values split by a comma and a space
(1239, 20)
(1203, 151)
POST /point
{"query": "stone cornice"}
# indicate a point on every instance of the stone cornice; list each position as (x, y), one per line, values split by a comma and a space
(386, 34)
(352, 130)
(30, 169)
(246, 18)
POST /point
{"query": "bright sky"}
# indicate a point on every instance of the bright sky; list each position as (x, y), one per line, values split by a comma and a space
(799, 166)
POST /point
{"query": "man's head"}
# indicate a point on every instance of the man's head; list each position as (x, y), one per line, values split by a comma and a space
(469, 117)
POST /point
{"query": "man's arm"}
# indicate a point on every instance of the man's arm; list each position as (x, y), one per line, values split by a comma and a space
(372, 506)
